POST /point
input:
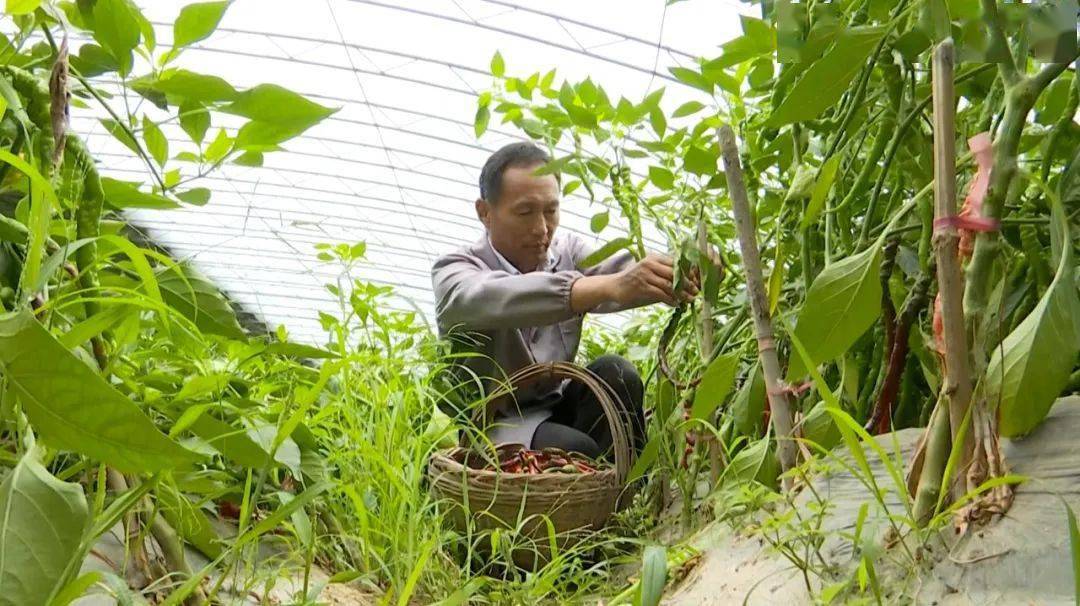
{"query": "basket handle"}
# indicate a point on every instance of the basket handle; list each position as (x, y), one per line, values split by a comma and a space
(620, 441)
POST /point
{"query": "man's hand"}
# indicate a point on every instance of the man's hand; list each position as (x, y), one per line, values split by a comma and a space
(646, 282)
(651, 281)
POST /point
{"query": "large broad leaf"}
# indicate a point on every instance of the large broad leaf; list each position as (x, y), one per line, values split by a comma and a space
(73, 408)
(117, 26)
(820, 192)
(749, 403)
(715, 385)
(1027, 373)
(198, 300)
(827, 79)
(755, 462)
(653, 575)
(43, 524)
(125, 194)
(195, 120)
(192, 86)
(843, 302)
(21, 7)
(820, 428)
(197, 21)
(189, 521)
(273, 104)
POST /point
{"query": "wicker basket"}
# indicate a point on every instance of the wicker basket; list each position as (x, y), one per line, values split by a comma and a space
(501, 500)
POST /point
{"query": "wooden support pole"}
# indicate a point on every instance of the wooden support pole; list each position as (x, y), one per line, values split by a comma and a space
(957, 382)
(779, 404)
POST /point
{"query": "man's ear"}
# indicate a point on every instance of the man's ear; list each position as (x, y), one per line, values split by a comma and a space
(483, 212)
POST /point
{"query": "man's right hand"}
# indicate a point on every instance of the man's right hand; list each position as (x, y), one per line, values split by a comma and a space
(650, 281)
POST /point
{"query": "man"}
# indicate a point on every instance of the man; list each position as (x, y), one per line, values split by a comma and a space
(518, 296)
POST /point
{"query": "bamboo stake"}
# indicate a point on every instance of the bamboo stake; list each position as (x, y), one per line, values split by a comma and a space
(706, 351)
(779, 404)
(957, 382)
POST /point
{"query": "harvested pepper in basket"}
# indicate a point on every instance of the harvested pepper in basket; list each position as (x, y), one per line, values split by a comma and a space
(549, 460)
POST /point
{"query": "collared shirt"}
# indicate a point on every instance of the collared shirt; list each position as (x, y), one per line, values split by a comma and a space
(511, 269)
(482, 302)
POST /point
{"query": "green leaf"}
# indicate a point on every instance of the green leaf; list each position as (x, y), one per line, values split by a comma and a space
(249, 158)
(1074, 548)
(701, 161)
(1032, 366)
(646, 459)
(653, 574)
(197, 196)
(299, 350)
(155, 140)
(43, 523)
(264, 136)
(198, 300)
(189, 521)
(194, 87)
(801, 184)
(748, 407)
(116, 130)
(498, 66)
(273, 520)
(692, 78)
(828, 78)
(843, 302)
(688, 108)
(819, 427)
(124, 194)
(821, 191)
(117, 28)
(273, 104)
(75, 589)
(658, 122)
(480, 122)
(195, 120)
(233, 443)
(93, 60)
(73, 408)
(661, 177)
(197, 21)
(604, 252)
(57, 259)
(96, 324)
(21, 7)
(201, 385)
(755, 462)
(219, 147)
(599, 221)
(716, 384)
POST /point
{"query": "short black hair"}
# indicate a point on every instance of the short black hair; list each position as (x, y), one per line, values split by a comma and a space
(512, 155)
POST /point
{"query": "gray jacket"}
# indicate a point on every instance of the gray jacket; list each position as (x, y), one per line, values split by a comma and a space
(513, 321)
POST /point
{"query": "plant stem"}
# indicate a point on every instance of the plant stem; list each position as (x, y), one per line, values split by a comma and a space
(999, 43)
(933, 466)
(759, 303)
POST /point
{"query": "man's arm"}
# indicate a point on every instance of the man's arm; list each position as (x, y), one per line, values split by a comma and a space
(470, 296)
(619, 282)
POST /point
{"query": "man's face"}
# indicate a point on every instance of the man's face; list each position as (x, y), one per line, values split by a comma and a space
(522, 222)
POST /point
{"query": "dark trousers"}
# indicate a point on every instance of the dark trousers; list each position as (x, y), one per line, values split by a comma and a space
(578, 422)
